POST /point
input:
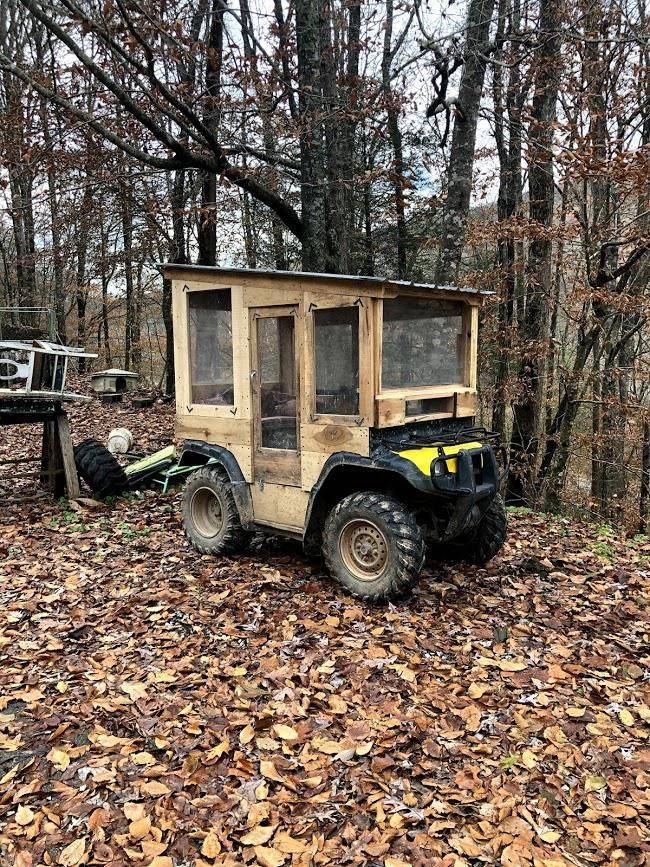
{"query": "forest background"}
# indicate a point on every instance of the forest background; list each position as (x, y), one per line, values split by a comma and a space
(495, 143)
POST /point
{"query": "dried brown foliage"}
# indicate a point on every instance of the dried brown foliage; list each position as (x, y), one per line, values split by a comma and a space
(164, 709)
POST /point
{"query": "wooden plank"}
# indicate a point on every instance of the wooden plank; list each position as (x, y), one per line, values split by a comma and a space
(466, 404)
(222, 431)
(331, 438)
(181, 343)
(308, 396)
(241, 354)
(268, 296)
(244, 459)
(367, 344)
(276, 465)
(413, 393)
(280, 505)
(378, 322)
(312, 464)
(315, 283)
(472, 362)
(390, 412)
(67, 455)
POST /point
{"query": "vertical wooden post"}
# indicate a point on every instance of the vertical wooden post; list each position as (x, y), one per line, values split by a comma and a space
(51, 463)
(67, 455)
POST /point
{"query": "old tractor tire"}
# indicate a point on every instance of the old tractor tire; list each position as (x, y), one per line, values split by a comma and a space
(99, 469)
(479, 545)
(210, 515)
(373, 546)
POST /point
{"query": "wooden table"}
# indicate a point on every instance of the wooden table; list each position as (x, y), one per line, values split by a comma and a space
(57, 473)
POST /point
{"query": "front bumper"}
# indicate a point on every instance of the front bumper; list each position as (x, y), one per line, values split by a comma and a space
(472, 486)
(467, 475)
(476, 473)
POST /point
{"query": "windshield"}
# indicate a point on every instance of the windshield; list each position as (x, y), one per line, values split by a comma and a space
(422, 343)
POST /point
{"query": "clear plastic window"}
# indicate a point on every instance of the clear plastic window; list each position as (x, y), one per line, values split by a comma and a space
(336, 350)
(277, 373)
(422, 343)
(210, 319)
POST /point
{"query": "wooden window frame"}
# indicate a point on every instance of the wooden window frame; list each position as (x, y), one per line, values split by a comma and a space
(232, 410)
(424, 391)
(314, 302)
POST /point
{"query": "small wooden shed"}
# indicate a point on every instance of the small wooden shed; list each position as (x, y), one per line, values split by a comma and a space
(114, 381)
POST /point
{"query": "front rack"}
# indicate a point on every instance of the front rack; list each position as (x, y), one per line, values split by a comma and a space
(452, 438)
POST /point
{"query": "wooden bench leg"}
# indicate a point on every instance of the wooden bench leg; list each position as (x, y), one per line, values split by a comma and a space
(67, 456)
(51, 461)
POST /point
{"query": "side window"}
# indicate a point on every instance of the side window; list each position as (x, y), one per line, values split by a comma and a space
(336, 360)
(210, 327)
(422, 343)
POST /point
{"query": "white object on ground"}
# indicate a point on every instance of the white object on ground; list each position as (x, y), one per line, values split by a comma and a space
(120, 441)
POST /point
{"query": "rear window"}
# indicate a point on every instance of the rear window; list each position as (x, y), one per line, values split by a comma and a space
(210, 332)
(422, 343)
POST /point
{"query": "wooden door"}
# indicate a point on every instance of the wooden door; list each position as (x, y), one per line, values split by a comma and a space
(275, 393)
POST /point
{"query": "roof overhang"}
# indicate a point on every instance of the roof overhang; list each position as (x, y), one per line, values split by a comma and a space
(380, 283)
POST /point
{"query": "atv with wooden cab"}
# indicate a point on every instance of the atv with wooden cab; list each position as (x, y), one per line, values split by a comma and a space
(336, 410)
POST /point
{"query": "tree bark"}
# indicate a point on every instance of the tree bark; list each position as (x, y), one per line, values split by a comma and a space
(461, 157)
(528, 411)
(316, 255)
(207, 231)
(397, 170)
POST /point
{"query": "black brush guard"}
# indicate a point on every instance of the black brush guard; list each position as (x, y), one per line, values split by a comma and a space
(477, 479)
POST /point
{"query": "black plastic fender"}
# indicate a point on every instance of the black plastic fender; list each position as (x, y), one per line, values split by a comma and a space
(197, 453)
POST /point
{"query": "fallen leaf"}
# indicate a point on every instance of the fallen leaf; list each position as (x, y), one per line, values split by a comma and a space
(285, 733)
(269, 857)
(512, 665)
(211, 845)
(72, 854)
(626, 717)
(286, 843)
(143, 758)
(258, 835)
(59, 758)
(154, 788)
(140, 828)
(24, 815)
(135, 691)
(595, 784)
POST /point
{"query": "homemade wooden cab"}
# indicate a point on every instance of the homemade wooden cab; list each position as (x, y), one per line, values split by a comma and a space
(285, 368)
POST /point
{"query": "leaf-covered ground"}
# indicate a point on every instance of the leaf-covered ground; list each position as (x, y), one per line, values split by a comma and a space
(166, 709)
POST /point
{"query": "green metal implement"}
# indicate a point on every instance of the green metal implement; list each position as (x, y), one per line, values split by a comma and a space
(159, 468)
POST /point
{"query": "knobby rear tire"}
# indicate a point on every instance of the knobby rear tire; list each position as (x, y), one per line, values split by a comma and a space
(231, 538)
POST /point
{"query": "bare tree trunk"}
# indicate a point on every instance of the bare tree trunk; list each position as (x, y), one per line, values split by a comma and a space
(461, 157)
(207, 232)
(397, 170)
(81, 289)
(529, 410)
(178, 255)
(105, 277)
(644, 493)
(127, 241)
(266, 109)
(316, 255)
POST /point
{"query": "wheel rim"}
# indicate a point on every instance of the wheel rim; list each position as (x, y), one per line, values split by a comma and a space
(207, 513)
(364, 549)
